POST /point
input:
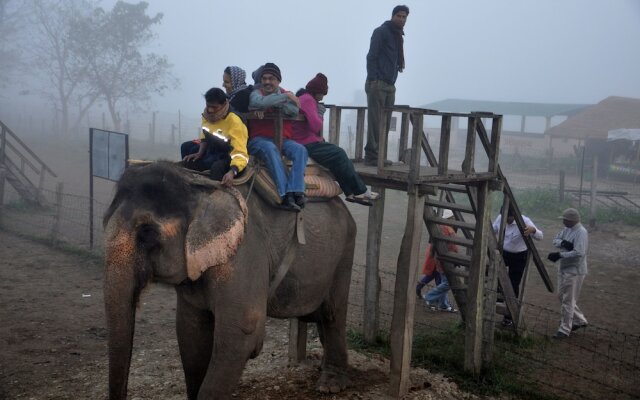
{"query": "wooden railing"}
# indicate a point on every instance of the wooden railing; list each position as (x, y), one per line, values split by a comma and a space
(20, 161)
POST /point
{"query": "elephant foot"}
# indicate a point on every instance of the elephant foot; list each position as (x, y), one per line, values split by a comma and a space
(332, 382)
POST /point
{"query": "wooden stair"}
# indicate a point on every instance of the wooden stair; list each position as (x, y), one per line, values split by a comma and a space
(456, 265)
(21, 168)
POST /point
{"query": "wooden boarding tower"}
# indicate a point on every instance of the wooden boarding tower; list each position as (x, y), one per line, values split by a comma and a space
(431, 181)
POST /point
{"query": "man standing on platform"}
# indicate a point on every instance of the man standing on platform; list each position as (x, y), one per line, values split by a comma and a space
(573, 241)
(384, 60)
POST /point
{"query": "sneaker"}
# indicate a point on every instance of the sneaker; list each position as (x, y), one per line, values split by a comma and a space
(300, 199)
(560, 335)
(367, 198)
(507, 322)
(579, 326)
(289, 203)
(449, 309)
(430, 306)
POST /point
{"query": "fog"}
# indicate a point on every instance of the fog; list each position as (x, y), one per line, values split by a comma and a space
(570, 51)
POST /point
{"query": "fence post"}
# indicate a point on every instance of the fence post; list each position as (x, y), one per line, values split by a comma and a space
(3, 175)
(55, 229)
(594, 192)
(561, 186)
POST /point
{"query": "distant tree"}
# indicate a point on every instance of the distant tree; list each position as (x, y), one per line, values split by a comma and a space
(110, 43)
(12, 19)
(53, 59)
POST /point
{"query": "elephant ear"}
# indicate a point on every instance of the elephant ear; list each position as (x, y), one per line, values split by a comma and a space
(215, 232)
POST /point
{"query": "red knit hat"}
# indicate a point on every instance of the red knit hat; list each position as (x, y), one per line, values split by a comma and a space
(318, 84)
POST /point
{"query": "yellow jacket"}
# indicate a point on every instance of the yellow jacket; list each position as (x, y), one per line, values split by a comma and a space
(235, 131)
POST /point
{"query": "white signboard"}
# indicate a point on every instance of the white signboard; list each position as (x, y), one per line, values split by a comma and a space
(109, 153)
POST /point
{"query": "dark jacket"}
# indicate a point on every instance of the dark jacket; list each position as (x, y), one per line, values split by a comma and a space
(384, 54)
(239, 102)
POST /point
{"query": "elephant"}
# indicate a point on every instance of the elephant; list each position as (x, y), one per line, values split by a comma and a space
(220, 247)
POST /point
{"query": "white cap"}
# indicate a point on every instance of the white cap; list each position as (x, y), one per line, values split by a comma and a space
(447, 214)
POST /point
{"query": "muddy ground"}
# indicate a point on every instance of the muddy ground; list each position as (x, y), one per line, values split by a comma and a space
(53, 337)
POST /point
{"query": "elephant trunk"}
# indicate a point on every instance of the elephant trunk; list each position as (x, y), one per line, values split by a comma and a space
(120, 303)
(125, 276)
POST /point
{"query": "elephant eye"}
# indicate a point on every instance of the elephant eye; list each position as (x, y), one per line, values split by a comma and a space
(148, 235)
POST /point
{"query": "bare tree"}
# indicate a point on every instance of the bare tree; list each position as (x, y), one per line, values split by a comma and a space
(12, 19)
(53, 57)
(110, 43)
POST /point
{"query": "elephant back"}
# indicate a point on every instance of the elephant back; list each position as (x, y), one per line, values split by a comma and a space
(319, 184)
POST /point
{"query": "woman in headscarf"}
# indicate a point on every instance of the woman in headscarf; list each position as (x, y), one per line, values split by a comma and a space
(233, 80)
(330, 156)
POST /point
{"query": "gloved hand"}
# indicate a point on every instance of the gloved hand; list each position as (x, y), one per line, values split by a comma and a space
(321, 109)
(567, 245)
(554, 256)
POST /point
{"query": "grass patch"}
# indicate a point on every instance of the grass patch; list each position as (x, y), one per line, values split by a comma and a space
(443, 351)
(545, 203)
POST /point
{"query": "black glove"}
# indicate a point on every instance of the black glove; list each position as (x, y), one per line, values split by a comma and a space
(567, 245)
(554, 256)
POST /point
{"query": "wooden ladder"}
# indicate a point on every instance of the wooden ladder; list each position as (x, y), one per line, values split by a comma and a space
(456, 265)
(20, 166)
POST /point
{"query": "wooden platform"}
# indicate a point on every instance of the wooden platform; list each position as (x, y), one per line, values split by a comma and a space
(398, 173)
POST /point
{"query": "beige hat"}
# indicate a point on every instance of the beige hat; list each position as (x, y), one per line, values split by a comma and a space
(570, 214)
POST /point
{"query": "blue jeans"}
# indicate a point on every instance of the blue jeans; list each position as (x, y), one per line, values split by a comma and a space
(438, 295)
(265, 149)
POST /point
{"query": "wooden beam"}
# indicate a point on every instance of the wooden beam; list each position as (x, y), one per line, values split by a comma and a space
(297, 341)
(335, 118)
(416, 149)
(445, 139)
(361, 113)
(404, 136)
(371, 314)
(404, 298)
(470, 148)
(475, 305)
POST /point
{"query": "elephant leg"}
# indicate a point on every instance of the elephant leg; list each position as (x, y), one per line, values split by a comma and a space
(235, 341)
(332, 321)
(195, 338)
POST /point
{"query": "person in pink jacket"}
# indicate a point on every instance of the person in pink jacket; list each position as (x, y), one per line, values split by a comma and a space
(330, 156)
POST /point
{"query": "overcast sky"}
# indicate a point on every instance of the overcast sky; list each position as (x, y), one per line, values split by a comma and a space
(556, 51)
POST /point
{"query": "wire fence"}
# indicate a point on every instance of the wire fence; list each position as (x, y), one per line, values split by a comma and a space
(600, 363)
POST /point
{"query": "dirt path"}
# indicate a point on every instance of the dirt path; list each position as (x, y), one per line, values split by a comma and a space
(53, 341)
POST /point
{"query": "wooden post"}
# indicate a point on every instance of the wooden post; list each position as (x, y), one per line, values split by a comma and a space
(360, 133)
(491, 294)
(153, 127)
(561, 186)
(297, 341)
(404, 136)
(3, 171)
(594, 191)
(334, 125)
(475, 305)
(55, 229)
(179, 126)
(496, 129)
(3, 176)
(470, 149)
(371, 314)
(445, 140)
(404, 299)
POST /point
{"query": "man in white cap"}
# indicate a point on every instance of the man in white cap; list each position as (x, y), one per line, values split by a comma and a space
(573, 242)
